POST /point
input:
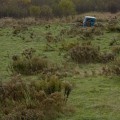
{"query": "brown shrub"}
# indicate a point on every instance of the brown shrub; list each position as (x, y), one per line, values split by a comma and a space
(33, 100)
(113, 25)
(29, 66)
(113, 28)
(25, 115)
(106, 57)
(50, 38)
(68, 46)
(116, 49)
(19, 28)
(86, 53)
(85, 33)
(28, 63)
(52, 85)
(115, 67)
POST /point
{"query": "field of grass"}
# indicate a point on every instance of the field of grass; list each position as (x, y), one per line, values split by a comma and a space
(94, 97)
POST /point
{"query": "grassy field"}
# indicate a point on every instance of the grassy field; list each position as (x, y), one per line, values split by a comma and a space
(93, 97)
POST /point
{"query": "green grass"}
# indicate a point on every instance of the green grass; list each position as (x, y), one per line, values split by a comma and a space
(93, 98)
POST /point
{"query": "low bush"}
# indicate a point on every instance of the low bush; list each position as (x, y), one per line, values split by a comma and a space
(85, 33)
(28, 67)
(87, 53)
(49, 37)
(67, 46)
(115, 67)
(113, 42)
(19, 28)
(88, 33)
(113, 28)
(116, 49)
(106, 57)
(113, 25)
(50, 85)
(33, 100)
(28, 63)
(84, 54)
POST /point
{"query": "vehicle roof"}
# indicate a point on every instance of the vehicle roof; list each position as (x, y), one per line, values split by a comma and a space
(90, 17)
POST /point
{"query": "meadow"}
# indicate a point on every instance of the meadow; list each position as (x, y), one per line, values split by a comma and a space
(95, 83)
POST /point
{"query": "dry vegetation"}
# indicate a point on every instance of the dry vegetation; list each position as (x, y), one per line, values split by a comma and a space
(35, 100)
(28, 63)
(89, 54)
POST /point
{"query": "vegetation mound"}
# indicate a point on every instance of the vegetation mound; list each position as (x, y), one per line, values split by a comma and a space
(28, 63)
(89, 54)
(33, 100)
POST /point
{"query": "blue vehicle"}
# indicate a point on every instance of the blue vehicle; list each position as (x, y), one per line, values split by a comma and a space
(89, 21)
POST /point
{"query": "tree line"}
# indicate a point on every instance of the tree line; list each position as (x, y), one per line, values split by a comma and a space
(55, 8)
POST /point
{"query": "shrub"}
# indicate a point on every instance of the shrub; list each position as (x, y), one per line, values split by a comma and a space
(35, 100)
(19, 28)
(106, 57)
(29, 66)
(113, 42)
(85, 33)
(113, 28)
(88, 33)
(115, 67)
(86, 53)
(68, 46)
(49, 37)
(51, 85)
(116, 49)
(113, 25)
(28, 63)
